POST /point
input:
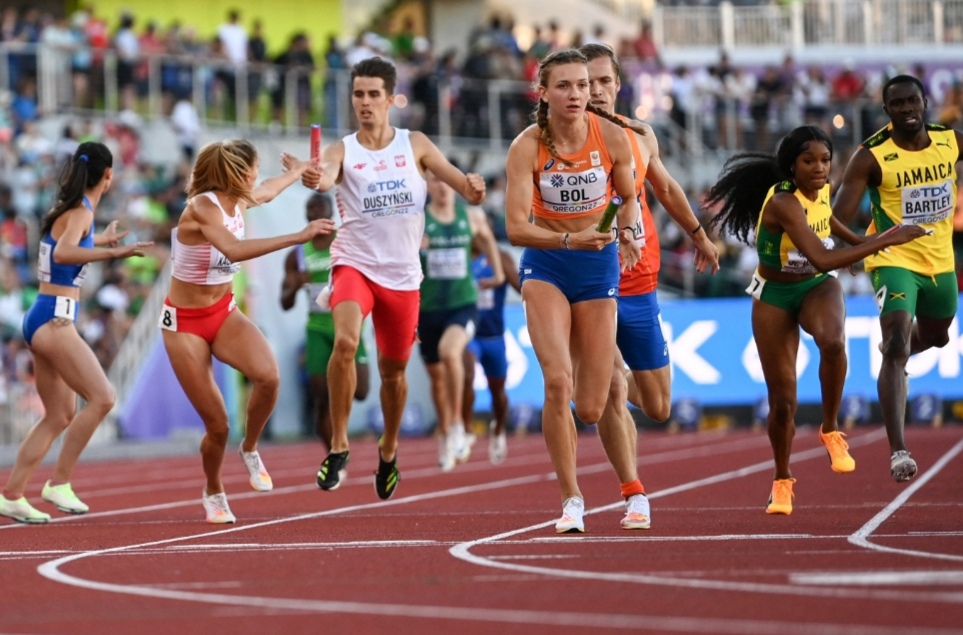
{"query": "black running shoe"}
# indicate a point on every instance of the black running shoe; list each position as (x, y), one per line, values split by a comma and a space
(329, 474)
(387, 477)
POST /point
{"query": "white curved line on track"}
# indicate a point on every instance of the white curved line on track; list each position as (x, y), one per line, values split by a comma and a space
(53, 571)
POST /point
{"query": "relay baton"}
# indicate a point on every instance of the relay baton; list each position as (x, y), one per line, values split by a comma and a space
(315, 141)
(608, 216)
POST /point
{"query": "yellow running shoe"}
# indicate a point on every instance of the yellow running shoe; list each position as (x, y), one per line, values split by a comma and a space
(838, 449)
(22, 511)
(780, 500)
(63, 498)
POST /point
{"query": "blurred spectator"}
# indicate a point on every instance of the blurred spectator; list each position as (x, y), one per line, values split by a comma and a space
(24, 106)
(951, 114)
(257, 58)
(187, 126)
(13, 236)
(767, 91)
(540, 45)
(644, 45)
(336, 63)
(128, 55)
(296, 65)
(813, 92)
(403, 42)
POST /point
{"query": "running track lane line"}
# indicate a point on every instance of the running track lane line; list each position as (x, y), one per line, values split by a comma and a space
(660, 457)
(51, 570)
(462, 551)
(861, 537)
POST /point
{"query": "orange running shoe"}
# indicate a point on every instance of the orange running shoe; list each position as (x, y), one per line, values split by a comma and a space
(838, 449)
(780, 500)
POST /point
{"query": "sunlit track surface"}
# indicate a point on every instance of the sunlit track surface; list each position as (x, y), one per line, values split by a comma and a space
(475, 549)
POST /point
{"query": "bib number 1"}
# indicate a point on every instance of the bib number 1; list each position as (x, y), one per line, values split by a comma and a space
(65, 308)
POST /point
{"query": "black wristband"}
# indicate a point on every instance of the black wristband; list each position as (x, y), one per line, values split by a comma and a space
(696, 230)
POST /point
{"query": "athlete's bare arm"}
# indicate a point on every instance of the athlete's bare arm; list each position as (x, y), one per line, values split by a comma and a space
(205, 218)
(784, 211)
(510, 269)
(672, 197)
(471, 186)
(623, 178)
(293, 280)
(74, 225)
(484, 241)
(268, 189)
(326, 174)
(862, 172)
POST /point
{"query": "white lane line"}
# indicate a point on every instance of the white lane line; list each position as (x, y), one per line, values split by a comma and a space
(879, 578)
(52, 571)
(861, 537)
(720, 448)
(462, 551)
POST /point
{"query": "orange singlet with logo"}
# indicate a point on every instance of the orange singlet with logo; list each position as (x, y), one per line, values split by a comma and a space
(580, 189)
(644, 276)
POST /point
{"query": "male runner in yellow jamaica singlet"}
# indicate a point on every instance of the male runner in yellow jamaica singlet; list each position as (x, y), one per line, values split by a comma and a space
(909, 168)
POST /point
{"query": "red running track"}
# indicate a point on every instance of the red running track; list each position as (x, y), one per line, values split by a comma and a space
(474, 551)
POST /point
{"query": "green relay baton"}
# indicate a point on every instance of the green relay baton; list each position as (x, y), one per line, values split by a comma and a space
(608, 216)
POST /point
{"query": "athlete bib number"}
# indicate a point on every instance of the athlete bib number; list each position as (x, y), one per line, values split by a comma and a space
(65, 308)
(447, 264)
(927, 204)
(168, 318)
(315, 289)
(755, 286)
(486, 299)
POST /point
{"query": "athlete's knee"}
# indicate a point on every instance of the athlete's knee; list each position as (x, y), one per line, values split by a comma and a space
(896, 346)
(934, 338)
(216, 433)
(782, 407)
(451, 357)
(618, 389)
(832, 346)
(590, 412)
(266, 376)
(345, 345)
(659, 412)
(101, 400)
(558, 386)
(392, 378)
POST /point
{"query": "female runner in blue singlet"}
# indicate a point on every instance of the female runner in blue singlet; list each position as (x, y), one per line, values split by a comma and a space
(64, 365)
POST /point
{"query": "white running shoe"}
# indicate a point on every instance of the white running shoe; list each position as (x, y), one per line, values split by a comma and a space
(22, 511)
(461, 443)
(63, 498)
(260, 479)
(637, 514)
(446, 458)
(571, 521)
(902, 466)
(218, 511)
(497, 446)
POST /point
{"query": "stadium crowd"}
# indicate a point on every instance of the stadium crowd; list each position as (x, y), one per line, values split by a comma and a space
(734, 108)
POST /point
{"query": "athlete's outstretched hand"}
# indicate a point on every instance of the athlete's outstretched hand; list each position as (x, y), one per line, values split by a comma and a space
(291, 163)
(706, 253)
(476, 188)
(316, 228)
(133, 249)
(110, 237)
(628, 249)
(311, 177)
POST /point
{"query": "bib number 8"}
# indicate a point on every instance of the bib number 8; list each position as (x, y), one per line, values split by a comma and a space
(168, 318)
